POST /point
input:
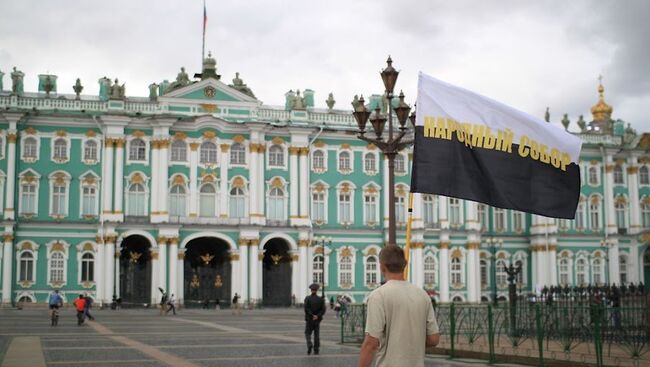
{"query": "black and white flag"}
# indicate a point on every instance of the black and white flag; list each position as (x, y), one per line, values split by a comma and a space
(471, 147)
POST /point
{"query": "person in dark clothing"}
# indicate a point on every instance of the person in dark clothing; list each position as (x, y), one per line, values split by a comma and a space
(89, 303)
(314, 311)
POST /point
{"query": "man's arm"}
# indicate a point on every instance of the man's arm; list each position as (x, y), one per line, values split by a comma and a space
(368, 350)
(433, 340)
(307, 306)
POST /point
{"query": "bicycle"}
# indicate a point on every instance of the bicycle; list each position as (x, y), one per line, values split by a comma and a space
(55, 316)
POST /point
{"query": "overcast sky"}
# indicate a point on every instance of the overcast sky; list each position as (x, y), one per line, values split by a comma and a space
(528, 54)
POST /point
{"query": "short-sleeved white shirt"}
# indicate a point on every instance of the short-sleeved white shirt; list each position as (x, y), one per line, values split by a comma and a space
(401, 316)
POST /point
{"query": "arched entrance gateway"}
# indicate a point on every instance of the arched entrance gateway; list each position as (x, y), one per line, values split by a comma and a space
(276, 274)
(207, 271)
(135, 271)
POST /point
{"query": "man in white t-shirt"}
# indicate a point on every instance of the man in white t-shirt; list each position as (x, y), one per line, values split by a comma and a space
(400, 322)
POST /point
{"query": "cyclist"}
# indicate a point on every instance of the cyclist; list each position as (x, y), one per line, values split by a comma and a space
(54, 301)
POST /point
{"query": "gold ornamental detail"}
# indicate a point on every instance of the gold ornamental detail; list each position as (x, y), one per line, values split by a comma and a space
(294, 150)
(11, 138)
(30, 130)
(277, 183)
(371, 251)
(346, 252)
(277, 140)
(633, 170)
(444, 245)
(304, 243)
(238, 139)
(472, 245)
(609, 168)
(319, 144)
(238, 182)
(138, 134)
(345, 146)
(61, 133)
(276, 259)
(91, 133)
(209, 134)
(194, 146)
(180, 136)
(456, 254)
(135, 256)
(225, 147)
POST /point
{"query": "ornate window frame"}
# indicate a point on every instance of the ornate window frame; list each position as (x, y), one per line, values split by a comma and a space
(371, 189)
(436, 269)
(311, 160)
(86, 247)
(28, 176)
(375, 155)
(179, 179)
(137, 177)
(504, 215)
(351, 252)
(91, 180)
(460, 254)
(60, 136)
(345, 148)
(345, 188)
(594, 167)
(62, 247)
(647, 174)
(277, 182)
(34, 135)
(241, 142)
(599, 256)
(319, 187)
(595, 199)
(277, 142)
(582, 256)
(98, 152)
(523, 257)
(368, 252)
(138, 135)
(619, 169)
(59, 178)
(241, 183)
(3, 144)
(32, 248)
(405, 161)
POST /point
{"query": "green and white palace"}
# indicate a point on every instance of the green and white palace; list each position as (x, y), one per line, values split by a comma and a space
(204, 191)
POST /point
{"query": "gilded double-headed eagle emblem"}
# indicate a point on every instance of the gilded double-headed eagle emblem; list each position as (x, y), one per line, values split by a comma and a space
(206, 258)
(276, 259)
(135, 256)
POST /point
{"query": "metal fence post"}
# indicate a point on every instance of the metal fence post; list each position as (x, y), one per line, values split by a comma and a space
(597, 311)
(491, 334)
(452, 329)
(539, 333)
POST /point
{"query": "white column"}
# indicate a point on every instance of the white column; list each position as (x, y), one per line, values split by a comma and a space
(235, 271)
(444, 267)
(293, 183)
(304, 272)
(443, 211)
(163, 154)
(119, 177)
(417, 264)
(155, 181)
(609, 196)
(260, 275)
(304, 183)
(253, 264)
(99, 271)
(261, 203)
(109, 261)
(243, 268)
(162, 264)
(633, 189)
(254, 181)
(155, 270)
(107, 177)
(116, 255)
(541, 255)
(173, 268)
(295, 274)
(552, 259)
(10, 210)
(471, 269)
(614, 265)
(417, 222)
(534, 281)
(194, 161)
(223, 183)
(7, 261)
(180, 280)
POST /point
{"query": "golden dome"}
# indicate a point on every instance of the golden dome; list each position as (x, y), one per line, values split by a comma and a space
(601, 111)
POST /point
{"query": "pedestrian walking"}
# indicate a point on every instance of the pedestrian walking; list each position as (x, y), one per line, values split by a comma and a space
(89, 303)
(331, 302)
(80, 306)
(54, 301)
(235, 304)
(163, 302)
(400, 322)
(170, 304)
(314, 311)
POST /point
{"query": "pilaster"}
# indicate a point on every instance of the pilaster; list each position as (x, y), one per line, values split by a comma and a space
(304, 186)
(633, 185)
(303, 244)
(7, 262)
(109, 267)
(608, 189)
(293, 185)
(243, 268)
(9, 211)
(107, 179)
(172, 243)
(155, 182)
(162, 263)
(614, 276)
(163, 184)
(254, 267)
(118, 209)
(443, 261)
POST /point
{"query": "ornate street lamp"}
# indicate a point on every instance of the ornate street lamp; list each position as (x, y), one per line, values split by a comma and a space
(394, 144)
(493, 243)
(606, 244)
(324, 242)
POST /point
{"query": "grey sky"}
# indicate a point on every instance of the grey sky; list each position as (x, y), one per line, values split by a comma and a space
(529, 54)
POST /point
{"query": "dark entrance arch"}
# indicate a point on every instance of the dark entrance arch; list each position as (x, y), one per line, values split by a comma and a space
(135, 271)
(207, 274)
(276, 274)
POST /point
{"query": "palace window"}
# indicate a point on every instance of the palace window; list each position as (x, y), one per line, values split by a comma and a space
(87, 267)
(57, 267)
(26, 270)
(597, 271)
(581, 272)
(370, 163)
(593, 176)
(644, 176)
(59, 199)
(518, 221)
(208, 153)
(564, 271)
(179, 151)
(137, 199)
(622, 268)
(276, 204)
(456, 271)
(454, 211)
(400, 167)
(645, 215)
(28, 202)
(594, 213)
(483, 216)
(345, 271)
(318, 160)
(88, 200)
(400, 209)
(430, 210)
(208, 199)
(618, 175)
(501, 277)
(621, 214)
(520, 276)
(237, 203)
(562, 224)
(371, 271)
(499, 219)
(276, 156)
(177, 195)
(370, 208)
(318, 207)
(344, 161)
(429, 272)
(60, 152)
(345, 207)
(580, 216)
(90, 150)
(484, 273)
(137, 150)
(317, 269)
(237, 154)
(30, 148)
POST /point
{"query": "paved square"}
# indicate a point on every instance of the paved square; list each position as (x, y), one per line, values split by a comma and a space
(270, 337)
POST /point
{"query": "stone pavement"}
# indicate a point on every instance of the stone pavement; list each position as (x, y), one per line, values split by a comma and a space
(125, 338)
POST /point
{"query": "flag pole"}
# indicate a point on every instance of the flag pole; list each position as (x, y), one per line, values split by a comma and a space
(205, 20)
(407, 248)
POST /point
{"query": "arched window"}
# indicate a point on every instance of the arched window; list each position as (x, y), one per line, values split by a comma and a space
(276, 204)
(581, 272)
(594, 213)
(370, 208)
(645, 214)
(237, 203)
(484, 274)
(179, 151)
(621, 213)
(208, 153)
(208, 198)
(345, 207)
(564, 271)
(60, 149)
(456, 271)
(318, 160)
(345, 271)
(137, 150)
(59, 198)
(618, 175)
(90, 150)
(520, 275)
(177, 195)
(317, 269)
(89, 200)
(499, 219)
(483, 216)
(400, 167)
(370, 163)
(87, 267)
(400, 209)
(430, 210)
(26, 272)
(580, 216)
(622, 264)
(518, 221)
(344, 161)
(597, 271)
(57, 267)
(502, 277)
(318, 207)
(644, 177)
(593, 176)
(276, 156)
(30, 148)
(28, 203)
(371, 271)
(137, 199)
(237, 154)
(454, 211)
(429, 272)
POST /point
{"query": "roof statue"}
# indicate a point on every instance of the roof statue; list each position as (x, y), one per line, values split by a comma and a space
(547, 115)
(77, 87)
(182, 79)
(2, 75)
(117, 91)
(629, 135)
(384, 103)
(209, 68)
(238, 84)
(17, 82)
(104, 88)
(566, 121)
(298, 102)
(330, 102)
(153, 91)
(48, 86)
(355, 102)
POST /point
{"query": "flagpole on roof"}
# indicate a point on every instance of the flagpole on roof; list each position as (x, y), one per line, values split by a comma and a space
(205, 21)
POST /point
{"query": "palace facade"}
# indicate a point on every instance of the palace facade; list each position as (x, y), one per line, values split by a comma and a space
(202, 190)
